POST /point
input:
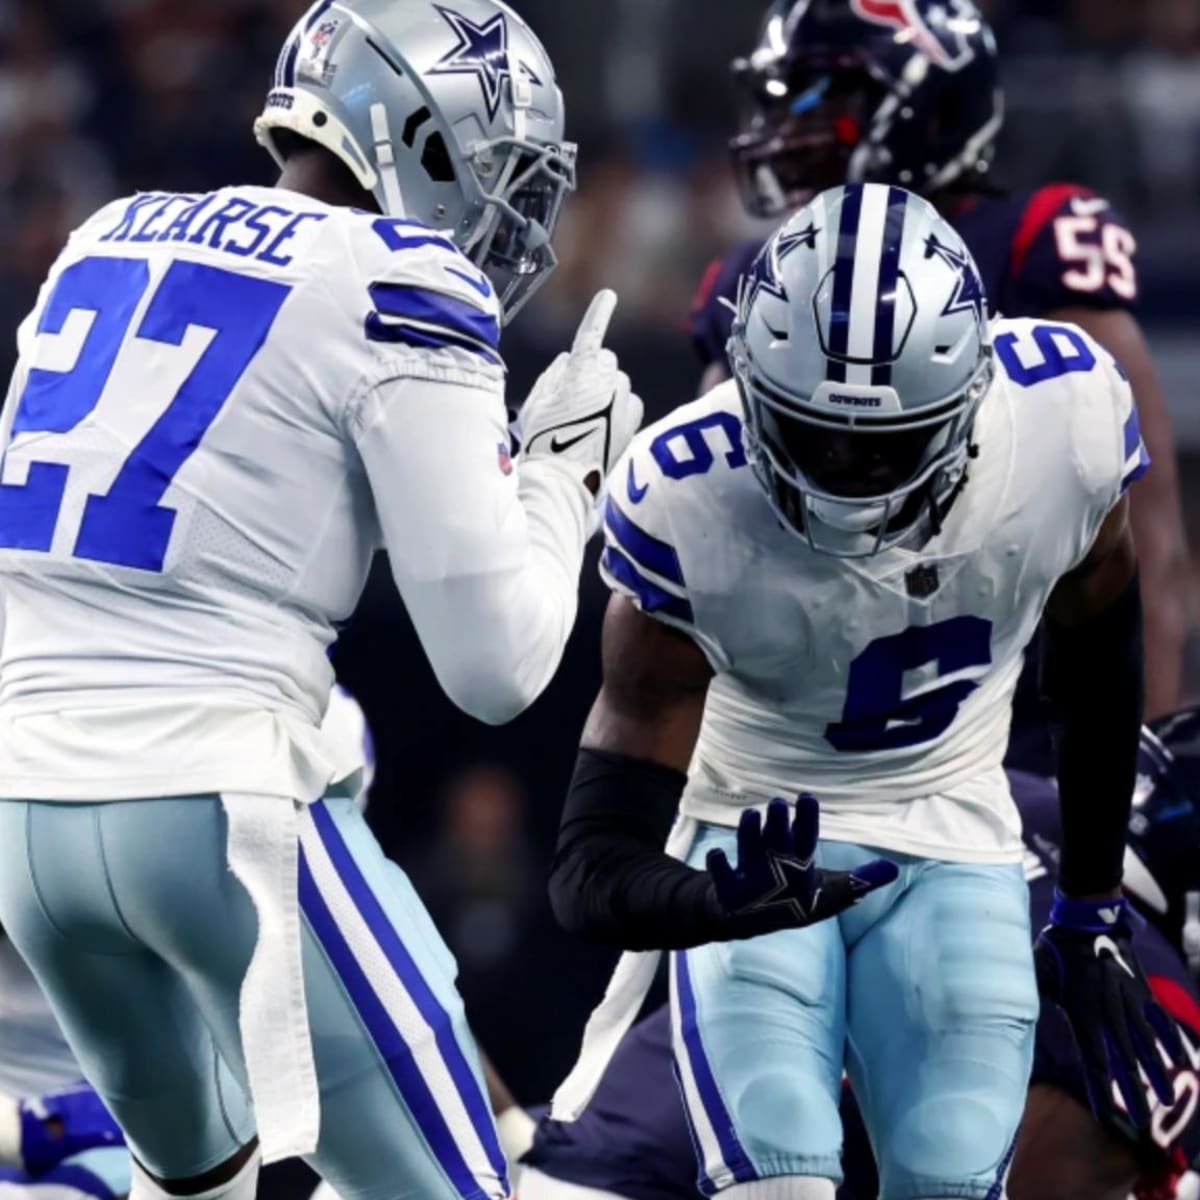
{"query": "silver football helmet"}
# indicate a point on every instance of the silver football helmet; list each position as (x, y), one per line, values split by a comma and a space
(447, 113)
(862, 352)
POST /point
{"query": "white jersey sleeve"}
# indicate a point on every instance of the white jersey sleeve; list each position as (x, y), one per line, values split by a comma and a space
(663, 543)
(1106, 437)
(486, 554)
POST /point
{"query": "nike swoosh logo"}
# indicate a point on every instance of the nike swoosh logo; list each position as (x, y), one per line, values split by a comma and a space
(636, 494)
(480, 284)
(1081, 206)
(558, 447)
(1106, 943)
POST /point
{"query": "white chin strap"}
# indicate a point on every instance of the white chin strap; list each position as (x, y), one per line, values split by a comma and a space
(385, 159)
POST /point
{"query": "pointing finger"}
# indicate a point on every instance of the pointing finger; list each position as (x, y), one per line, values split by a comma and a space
(593, 327)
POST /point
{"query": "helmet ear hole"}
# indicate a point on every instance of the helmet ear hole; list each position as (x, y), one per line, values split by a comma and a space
(435, 159)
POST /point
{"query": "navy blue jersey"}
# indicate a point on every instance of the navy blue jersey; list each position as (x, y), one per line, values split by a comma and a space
(633, 1138)
(1061, 246)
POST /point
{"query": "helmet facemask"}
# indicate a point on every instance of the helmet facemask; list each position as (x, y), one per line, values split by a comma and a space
(853, 486)
(519, 190)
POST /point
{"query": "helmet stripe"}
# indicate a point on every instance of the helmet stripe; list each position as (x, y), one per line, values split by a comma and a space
(868, 252)
(843, 279)
(317, 11)
(889, 279)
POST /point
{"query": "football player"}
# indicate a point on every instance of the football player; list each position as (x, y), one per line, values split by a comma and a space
(825, 574)
(55, 1132)
(632, 1141)
(850, 90)
(223, 405)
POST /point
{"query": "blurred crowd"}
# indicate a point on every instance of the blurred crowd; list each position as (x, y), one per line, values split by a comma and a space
(107, 96)
(100, 97)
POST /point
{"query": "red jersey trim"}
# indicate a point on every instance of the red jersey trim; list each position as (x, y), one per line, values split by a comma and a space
(1043, 205)
(1177, 1000)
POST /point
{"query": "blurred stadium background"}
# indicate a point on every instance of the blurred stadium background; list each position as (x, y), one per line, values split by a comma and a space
(100, 97)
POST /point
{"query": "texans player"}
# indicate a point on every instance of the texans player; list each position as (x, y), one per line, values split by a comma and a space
(908, 93)
(633, 1140)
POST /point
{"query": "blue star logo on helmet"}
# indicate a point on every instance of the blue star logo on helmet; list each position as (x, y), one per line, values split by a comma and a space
(764, 274)
(482, 51)
(968, 288)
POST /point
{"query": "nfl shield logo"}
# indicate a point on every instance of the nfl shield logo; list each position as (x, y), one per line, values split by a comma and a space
(922, 581)
(323, 33)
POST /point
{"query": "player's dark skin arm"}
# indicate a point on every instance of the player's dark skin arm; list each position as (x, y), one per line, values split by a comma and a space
(1063, 1153)
(1080, 598)
(652, 698)
(1155, 507)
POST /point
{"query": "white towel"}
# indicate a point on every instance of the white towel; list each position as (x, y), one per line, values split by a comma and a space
(263, 850)
(617, 1011)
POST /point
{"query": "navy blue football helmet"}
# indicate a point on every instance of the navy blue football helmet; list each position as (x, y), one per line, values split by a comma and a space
(852, 91)
(1162, 870)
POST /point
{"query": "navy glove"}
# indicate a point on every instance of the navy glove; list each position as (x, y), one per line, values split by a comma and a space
(775, 884)
(1086, 965)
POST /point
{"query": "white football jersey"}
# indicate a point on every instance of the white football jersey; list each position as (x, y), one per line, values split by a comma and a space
(882, 685)
(184, 513)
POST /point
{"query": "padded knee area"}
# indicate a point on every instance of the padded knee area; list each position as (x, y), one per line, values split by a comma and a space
(949, 1140)
(777, 1117)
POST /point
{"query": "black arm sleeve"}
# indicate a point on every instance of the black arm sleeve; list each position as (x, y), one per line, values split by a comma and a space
(1093, 679)
(611, 882)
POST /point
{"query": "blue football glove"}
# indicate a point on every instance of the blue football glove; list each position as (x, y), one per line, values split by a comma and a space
(64, 1123)
(776, 884)
(1086, 965)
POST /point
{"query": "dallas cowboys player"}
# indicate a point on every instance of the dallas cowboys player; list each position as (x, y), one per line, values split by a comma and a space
(826, 573)
(633, 1140)
(223, 405)
(909, 93)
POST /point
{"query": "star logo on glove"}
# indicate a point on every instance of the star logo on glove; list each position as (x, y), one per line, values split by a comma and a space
(791, 881)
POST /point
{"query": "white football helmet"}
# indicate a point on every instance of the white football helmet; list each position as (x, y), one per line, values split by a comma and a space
(448, 113)
(862, 352)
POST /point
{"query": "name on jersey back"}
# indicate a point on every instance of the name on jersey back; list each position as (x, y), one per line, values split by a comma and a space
(233, 224)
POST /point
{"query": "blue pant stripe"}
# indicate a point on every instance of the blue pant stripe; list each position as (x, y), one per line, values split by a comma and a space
(732, 1152)
(996, 1191)
(704, 1181)
(465, 1081)
(387, 1038)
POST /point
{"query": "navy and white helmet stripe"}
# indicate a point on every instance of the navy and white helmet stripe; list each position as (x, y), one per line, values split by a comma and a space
(285, 65)
(866, 280)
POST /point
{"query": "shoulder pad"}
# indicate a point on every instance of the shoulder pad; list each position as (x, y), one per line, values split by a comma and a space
(711, 317)
(656, 509)
(1105, 436)
(422, 290)
(1071, 248)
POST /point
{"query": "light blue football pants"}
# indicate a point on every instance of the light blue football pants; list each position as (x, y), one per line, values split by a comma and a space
(924, 992)
(140, 936)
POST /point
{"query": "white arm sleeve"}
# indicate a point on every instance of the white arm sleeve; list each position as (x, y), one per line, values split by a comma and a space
(487, 562)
